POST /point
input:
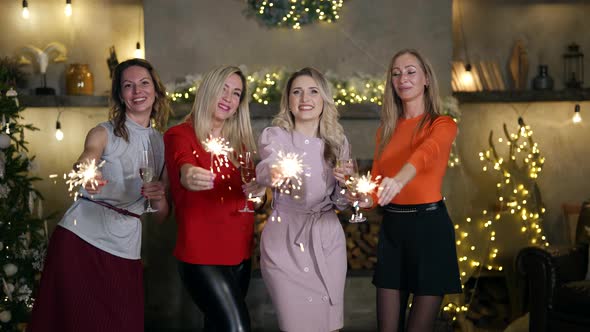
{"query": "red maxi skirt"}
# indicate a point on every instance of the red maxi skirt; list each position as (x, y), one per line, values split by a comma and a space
(86, 289)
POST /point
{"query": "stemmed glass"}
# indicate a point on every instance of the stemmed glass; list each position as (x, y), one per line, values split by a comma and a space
(248, 172)
(147, 174)
(349, 167)
(352, 176)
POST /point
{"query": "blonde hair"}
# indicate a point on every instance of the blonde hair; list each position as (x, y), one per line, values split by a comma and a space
(330, 130)
(392, 108)
(236, 129)
(160, 109)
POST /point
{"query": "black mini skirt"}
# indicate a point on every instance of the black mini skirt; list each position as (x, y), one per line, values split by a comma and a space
(416, 251)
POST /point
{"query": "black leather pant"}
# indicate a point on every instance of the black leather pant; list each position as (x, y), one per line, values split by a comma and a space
(219, 292)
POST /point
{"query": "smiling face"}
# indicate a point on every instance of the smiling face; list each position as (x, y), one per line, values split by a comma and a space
(408, 77)
(137, 90)
(305, 101)
(229, 99)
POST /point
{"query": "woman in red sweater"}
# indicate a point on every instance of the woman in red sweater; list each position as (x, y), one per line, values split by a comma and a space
(416, 252)
(214, 239)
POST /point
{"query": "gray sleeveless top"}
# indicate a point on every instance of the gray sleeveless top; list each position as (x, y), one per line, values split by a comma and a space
(105, 228)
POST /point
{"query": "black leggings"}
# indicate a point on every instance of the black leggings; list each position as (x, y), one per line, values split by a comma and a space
(219, 292)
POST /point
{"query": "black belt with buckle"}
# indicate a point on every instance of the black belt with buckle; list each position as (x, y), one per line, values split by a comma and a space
(413, 208)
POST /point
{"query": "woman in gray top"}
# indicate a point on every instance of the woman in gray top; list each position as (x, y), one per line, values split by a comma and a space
(92, 280)
(303, 249)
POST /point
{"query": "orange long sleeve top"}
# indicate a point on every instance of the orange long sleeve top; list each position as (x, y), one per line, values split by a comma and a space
(427, 150)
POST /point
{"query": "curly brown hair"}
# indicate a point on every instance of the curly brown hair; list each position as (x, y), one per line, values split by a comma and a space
(160, 110)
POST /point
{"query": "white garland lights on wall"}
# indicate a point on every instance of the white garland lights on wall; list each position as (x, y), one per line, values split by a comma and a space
(518, 198)
(294, 13)
(265, 87)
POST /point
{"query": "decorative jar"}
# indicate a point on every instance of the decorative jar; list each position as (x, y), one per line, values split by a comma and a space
(79, 80)
(543, 81)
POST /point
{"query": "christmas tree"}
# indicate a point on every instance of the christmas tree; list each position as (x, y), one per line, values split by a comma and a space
(22, 235)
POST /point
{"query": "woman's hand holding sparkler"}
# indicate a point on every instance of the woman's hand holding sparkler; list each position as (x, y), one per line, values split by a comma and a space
(275, 175)
(196, 178)
(340, 174)
(95, 187)
(85, 174)
(388, 189)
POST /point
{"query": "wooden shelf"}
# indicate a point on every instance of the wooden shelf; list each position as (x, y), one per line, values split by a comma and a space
(257, 111)
(354, 111)
(64, 101)
(522, 96)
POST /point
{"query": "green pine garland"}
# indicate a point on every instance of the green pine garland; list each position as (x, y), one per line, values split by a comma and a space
(294, 13)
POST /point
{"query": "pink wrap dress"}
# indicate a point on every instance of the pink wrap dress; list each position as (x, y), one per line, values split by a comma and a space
(303, 257)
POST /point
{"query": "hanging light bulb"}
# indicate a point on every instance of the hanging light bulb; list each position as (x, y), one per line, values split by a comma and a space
(25, 9)
(138, 53)
(68, 8)
(467, 78)
(59, 135)
(577, 118)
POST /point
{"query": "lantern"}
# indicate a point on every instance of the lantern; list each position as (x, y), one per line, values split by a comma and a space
(573, 67)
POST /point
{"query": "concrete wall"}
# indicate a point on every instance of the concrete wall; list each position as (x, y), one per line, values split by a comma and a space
(563, 144)
(194, 36)
(88, 34)
(546, 28)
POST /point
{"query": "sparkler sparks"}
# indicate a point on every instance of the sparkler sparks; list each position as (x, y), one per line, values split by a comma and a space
(290, 167)
(365, 185)
(86, 174)
(219, 148)
(361, 186)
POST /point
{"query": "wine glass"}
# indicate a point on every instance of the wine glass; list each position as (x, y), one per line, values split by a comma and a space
(351, 176)
(147, 174)
(248, 173)
(349, 167)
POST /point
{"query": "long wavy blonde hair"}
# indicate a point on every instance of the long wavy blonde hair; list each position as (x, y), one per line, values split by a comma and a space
(237, 130)
(330, 130)
(392, 108)
(160, 110)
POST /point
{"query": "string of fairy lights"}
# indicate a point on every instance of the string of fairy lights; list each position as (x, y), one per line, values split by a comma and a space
(518, 199)
(265, 88)
(295, 13)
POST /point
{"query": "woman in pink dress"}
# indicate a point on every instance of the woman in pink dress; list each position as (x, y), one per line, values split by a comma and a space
(303, 256)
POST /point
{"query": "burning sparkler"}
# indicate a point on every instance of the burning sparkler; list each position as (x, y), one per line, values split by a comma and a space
(365, 184)
(84, 175)
(362, 186)
(219, 148)
(290, 166)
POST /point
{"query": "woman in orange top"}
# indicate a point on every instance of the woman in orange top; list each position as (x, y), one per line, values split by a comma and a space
(416, 252)
(214, 239)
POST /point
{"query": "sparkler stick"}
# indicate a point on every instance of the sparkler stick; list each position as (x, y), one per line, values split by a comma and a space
(290, 166)
(6, 290)
(365, 184)
(219, 148)
(362, 185)
(85, 174)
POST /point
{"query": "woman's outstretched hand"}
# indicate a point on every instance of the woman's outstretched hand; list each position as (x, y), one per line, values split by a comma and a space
(196, 178)
(388, 189)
